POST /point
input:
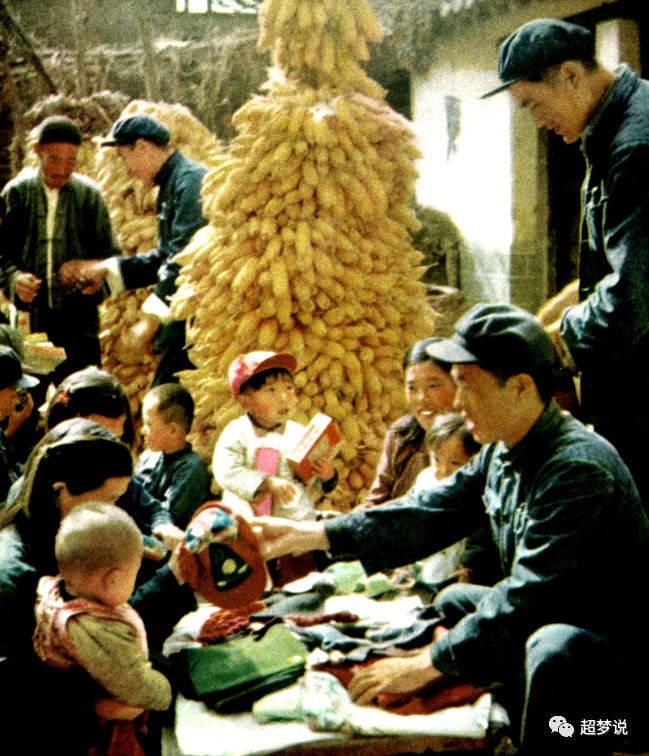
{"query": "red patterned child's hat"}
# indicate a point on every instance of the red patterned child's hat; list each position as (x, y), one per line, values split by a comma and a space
(220, 557)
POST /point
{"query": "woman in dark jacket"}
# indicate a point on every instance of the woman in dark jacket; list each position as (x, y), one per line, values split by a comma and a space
(77, 461)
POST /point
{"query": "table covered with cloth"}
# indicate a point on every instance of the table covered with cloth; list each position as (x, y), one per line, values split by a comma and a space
(338, 631)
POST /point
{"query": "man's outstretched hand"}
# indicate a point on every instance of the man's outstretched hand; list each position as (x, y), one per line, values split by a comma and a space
(85, 276)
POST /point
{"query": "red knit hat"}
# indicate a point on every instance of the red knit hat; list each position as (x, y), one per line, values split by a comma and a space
(220, 557)
(247, 365)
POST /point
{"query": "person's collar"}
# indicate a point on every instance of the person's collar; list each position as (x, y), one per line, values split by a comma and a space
(535, 438)
(162, 176)
(608, 113)
(169, 456)
(275, 429)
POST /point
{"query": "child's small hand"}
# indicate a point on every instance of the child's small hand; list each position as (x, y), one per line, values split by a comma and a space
(282, 491)
(323, 468)
(170, 534)
(108, 709)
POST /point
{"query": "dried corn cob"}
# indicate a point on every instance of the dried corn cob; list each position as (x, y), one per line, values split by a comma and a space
(308, 248)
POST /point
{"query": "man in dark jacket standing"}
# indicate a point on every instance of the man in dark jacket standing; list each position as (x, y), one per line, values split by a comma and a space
(549, 68)
(572, 536)
(143, 145)
(55, 215)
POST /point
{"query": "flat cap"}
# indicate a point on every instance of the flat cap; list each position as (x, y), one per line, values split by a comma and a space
(538, 45)
(128, 130)
(11, 371)
(59, 129)
(503, 338)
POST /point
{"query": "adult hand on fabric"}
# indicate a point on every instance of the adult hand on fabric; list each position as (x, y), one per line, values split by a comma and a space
(278, 536)
(393, 675)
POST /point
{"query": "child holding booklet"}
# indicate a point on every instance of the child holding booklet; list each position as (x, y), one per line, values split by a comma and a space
(250, 461)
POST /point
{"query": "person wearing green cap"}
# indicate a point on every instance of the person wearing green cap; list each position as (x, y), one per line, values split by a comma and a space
(53, 215)
(561, 632)
(550, 69)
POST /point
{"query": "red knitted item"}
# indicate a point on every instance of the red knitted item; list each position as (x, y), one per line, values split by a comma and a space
(223, 623)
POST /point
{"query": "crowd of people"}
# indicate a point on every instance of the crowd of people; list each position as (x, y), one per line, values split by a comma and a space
(544, 515)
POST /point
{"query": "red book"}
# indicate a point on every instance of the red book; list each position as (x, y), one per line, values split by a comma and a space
(320, 441)
(266, 461)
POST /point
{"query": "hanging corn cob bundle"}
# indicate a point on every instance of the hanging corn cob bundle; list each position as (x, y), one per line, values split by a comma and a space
(133, 214)
(308, 248)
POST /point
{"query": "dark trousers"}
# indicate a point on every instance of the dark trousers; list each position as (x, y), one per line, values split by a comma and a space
(170, 344)
(566, 672)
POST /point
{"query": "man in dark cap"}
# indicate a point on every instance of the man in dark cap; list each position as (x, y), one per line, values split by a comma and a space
(571, 532)
(54, 215)
(14, 385)
(143, 144)
(549, 68)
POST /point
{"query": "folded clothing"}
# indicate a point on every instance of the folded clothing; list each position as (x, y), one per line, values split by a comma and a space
(444, 693)
(231, 675)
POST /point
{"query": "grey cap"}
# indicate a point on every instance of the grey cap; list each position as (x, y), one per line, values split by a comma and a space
(500, 337)
(538, 45)
(11, 371)
(128, 130)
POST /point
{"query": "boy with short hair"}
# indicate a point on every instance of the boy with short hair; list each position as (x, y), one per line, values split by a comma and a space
(83, 618)
(170, 469)
(250, 456)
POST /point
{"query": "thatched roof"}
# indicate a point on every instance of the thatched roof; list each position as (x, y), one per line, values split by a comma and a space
(412, 26)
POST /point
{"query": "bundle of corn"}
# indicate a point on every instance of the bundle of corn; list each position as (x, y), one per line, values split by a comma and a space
(321, 41)
(133, 214)
(308, 248)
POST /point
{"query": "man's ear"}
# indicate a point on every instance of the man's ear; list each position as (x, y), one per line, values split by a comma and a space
(522, 383)
(572, 72)
(58, 487)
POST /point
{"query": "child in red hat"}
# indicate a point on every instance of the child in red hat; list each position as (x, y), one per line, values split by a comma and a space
(250, 456)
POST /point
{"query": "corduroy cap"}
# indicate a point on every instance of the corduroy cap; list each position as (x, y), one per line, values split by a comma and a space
(246, 365)
(501, 338)
(11, 371)
(538, 45)
(59, 129)
(128, 130)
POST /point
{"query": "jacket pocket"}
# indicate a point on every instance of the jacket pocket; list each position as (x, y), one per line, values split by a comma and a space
(595, 215)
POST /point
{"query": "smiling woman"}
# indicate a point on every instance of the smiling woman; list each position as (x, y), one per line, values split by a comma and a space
(430, 391)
